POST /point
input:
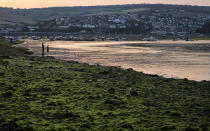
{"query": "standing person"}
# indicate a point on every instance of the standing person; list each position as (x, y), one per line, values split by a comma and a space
(48, 49)
(42, 49)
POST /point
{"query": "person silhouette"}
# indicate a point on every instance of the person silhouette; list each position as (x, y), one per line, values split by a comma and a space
(48, 49)
(42, 49)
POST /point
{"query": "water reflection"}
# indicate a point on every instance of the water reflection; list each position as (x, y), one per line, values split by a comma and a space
(178, 59)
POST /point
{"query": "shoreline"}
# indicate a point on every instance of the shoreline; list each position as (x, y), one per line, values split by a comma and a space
(49, 94)
(79, 53)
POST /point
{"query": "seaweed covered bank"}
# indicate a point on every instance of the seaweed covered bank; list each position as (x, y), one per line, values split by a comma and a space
(48, 94)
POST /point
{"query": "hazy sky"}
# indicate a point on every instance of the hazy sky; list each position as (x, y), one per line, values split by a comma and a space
(50, 3)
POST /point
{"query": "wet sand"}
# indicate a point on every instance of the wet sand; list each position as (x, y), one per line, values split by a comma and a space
(172, 59)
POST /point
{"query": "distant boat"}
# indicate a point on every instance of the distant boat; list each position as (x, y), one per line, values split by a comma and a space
(124, 39)
(35, 37)
(188, 39)
(150, 39)
(175, 39)
(111, 38)
(120, 39)
(191, 39)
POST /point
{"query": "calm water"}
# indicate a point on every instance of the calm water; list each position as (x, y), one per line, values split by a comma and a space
(178, 59)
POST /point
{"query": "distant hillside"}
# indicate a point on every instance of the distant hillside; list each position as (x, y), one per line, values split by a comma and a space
(44, 13)
(14, 16)
(11, 17)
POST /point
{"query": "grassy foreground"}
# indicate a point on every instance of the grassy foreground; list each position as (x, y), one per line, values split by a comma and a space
(48, 94)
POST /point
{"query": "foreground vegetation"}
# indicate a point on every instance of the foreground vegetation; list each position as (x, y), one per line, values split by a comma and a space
(48, 94)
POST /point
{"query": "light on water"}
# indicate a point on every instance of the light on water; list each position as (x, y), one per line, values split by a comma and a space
(179, 59)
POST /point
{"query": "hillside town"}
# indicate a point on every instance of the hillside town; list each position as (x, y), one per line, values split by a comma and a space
(129, 23)
(146, 25)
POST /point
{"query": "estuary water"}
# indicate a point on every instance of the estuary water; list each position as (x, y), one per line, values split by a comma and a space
(172, 59)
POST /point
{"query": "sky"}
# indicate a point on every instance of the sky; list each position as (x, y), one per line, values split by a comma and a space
(53, 3)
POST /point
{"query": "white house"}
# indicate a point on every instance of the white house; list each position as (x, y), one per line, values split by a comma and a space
(112, 26)
(89, 26)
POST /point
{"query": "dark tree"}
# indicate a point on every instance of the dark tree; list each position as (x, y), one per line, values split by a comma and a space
(205, 29)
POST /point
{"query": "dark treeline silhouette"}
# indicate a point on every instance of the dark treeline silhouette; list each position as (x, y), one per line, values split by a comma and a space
(205, 29)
